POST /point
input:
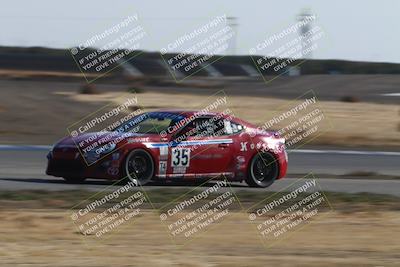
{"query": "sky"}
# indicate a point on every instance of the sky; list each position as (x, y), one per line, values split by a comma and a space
(362, 30)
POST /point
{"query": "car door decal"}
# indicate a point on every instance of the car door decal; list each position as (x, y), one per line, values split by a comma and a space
(180, 157)
(191, 143)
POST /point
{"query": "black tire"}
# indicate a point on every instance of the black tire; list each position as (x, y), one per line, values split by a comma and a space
(139, 166)
(74, 180)
(263, 170)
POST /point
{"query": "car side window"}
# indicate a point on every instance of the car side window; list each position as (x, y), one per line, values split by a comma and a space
(186, 131)
(232, 127)
(209, 127)
(197, 128)
(205, 127)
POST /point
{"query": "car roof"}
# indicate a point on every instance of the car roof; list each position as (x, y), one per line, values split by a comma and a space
(188, 113)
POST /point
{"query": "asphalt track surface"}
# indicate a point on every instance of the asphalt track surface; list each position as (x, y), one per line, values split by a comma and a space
(22, 168)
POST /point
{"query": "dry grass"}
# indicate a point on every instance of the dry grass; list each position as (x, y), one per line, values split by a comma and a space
(348, 124)
(39, 113)
(48, 238)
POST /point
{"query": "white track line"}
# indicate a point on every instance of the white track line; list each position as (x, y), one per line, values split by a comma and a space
(345, 152)
(24, 147)
(302, 151)
(391, 94)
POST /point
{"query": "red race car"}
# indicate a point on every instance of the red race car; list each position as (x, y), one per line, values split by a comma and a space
(169, 145)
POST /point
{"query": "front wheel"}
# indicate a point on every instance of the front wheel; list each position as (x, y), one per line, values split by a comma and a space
(139, 166)
(263, 170)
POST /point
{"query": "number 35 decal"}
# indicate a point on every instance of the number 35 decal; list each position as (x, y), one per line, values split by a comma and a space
(180, 157)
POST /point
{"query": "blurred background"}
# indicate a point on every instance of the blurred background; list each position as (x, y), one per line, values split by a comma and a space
(353, 68)
(273, 56)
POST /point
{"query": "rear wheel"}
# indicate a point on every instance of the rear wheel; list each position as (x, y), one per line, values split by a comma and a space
(139, 166)
(74, 180)
(263, 170)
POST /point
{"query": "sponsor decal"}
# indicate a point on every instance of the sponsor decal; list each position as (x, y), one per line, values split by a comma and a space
(191, 143)
(243, 146)
(137, 140)
(162, 167)
(179, 170)
(113, 171)
(180, 157)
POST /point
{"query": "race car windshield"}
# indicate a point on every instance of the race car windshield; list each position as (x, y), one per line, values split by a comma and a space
(150, 123)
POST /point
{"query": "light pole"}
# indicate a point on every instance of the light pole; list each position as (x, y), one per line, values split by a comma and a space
(233, 24)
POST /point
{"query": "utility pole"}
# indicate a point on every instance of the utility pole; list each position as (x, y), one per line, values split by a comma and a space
(306, 42)
(233, 24)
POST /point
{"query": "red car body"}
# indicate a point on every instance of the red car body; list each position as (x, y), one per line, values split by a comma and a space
(226, 155)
